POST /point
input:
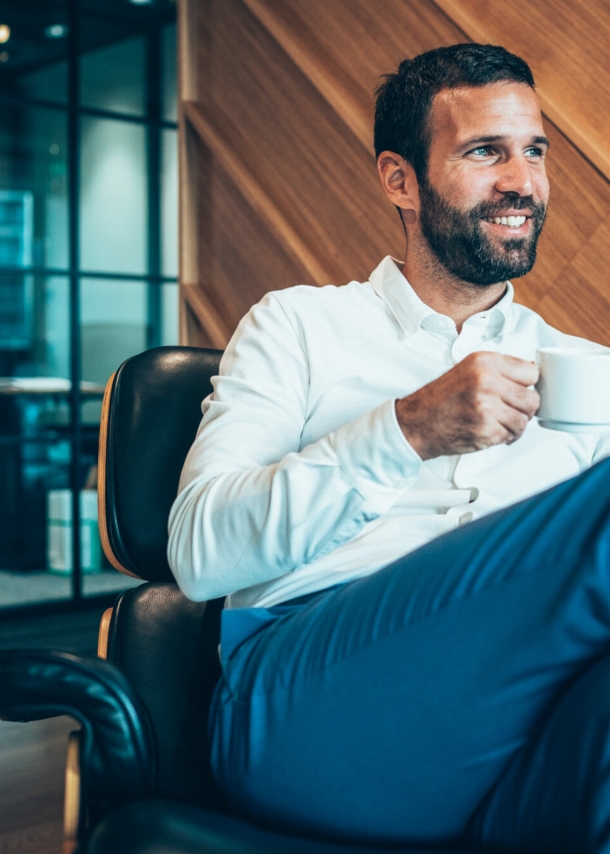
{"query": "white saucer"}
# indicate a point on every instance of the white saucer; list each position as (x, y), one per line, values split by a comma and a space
(574, 427)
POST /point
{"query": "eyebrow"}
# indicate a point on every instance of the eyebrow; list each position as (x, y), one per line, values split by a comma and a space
(478, 140)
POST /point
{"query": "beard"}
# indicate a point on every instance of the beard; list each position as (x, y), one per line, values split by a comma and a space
(459, 242)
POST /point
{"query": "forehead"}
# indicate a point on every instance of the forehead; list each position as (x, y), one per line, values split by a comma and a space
(504, 109)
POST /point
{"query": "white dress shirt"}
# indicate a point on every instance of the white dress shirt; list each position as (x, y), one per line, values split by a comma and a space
(300, 477)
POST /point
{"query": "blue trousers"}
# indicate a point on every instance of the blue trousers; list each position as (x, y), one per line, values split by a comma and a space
(460, 694)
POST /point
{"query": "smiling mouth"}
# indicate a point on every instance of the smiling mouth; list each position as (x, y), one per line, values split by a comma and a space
(509, 221)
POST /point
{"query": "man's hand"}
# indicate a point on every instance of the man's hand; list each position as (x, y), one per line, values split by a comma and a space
(484, 400)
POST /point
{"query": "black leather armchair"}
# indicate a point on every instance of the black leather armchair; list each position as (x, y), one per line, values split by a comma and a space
(138, 778)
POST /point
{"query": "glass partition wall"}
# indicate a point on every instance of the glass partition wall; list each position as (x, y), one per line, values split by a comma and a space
(88, 268)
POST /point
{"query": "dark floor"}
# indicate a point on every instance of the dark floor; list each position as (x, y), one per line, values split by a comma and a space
(32, 767)
(32, 755)
(72, 632)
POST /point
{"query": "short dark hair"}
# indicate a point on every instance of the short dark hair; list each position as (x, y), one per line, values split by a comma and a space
(404, 98)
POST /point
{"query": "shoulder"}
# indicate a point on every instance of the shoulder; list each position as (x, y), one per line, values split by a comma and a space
(303, 298)
(529, 322)
(306, 310)
(284, 322)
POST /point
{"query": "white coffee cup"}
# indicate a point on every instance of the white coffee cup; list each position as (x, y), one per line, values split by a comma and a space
(574, 388)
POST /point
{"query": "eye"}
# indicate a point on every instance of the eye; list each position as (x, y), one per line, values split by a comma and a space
(481, 150)
(535, 151)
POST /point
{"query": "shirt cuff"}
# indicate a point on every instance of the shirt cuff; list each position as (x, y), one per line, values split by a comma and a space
(376, 458)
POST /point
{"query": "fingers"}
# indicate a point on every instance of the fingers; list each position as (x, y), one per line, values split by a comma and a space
(510, 378)
(518, 370)
(485, 400)
(512, 422)
(517, 396)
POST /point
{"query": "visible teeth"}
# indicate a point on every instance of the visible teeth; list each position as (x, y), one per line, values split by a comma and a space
(510, 221)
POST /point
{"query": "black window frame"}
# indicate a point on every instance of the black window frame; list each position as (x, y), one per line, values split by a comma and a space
(155, 124)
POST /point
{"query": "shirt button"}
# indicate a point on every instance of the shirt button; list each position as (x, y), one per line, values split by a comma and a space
(398, 484)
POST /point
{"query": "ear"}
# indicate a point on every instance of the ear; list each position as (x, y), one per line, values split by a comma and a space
(399, 184)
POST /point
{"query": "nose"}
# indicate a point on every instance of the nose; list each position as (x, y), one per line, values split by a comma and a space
(515, 177)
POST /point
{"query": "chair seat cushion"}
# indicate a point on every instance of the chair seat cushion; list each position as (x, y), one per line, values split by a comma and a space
(168, 827)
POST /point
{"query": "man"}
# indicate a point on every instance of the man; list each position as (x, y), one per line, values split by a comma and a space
(383, 683)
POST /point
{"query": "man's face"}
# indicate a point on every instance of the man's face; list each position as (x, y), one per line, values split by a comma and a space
(483, 203)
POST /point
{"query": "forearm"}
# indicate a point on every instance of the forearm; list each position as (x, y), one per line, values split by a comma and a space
(245, 527)
(249, 527)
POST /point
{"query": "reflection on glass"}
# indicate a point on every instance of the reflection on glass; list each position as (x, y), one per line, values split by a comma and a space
(114, 318)
(16, 330)
(53, 311)
(169, 76)
(169, 203)
(169, 323)
(33, 186)
(16, 227)
(60, 532)
(50, 83)
(34, 330)
(112, 77)
(107, 581)
(113, 196)
(32, 472)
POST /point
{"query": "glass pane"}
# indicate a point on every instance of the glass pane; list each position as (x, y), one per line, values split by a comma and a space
(112, 77)
(50, 83)
(169, 318)
(169, 79)
(169, 203)
(114, 318)
(54, 328)
(33, 186)
(113, 196)
(106, 579)
(16, 326)
(34, 332)
(35, 547)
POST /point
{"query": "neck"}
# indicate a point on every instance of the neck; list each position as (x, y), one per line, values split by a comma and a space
(442, 291)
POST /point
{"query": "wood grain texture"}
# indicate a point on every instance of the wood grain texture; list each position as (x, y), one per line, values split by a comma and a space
(258, 263)
(279, 182)
(313, 169)
(231, 152)
(338, 89)
(346, 46)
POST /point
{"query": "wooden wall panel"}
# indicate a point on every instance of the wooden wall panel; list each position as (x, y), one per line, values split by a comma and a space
(255, 264)
(278, 179)
(344, 47)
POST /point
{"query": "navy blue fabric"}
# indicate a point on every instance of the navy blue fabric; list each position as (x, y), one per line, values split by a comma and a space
(434, 700)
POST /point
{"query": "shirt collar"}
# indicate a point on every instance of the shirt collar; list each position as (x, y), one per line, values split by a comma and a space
(409, 310)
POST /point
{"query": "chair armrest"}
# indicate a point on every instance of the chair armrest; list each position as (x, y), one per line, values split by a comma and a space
(117, 743)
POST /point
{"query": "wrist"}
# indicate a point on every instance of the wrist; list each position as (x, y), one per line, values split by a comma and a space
(413, 428)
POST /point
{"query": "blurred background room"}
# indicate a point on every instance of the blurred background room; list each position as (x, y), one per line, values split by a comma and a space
(88, 274)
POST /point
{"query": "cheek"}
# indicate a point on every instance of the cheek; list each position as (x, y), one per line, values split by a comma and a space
(469, 189)
(542, 188)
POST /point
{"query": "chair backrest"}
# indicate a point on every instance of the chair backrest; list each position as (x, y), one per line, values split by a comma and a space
(164, 644)
(168, 649)
(151, 412)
